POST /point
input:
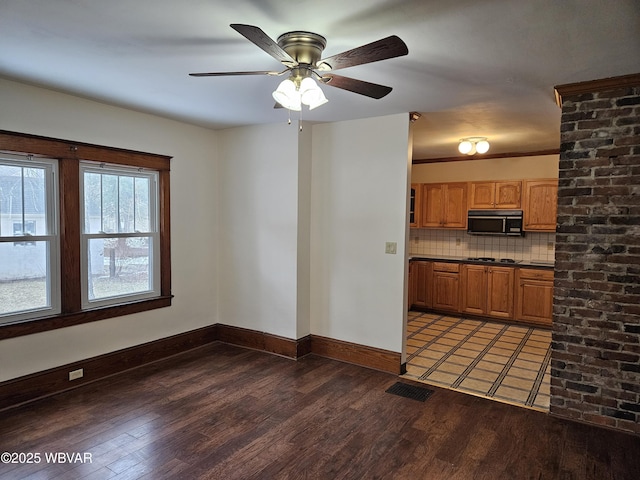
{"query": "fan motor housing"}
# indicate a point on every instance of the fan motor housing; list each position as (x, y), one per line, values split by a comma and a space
(304, 47)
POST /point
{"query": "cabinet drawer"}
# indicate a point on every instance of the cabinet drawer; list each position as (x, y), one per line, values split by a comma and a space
(446, 267)
(534, 274)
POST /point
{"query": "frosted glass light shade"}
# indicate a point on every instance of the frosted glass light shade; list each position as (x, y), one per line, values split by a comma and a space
(287, 95)
(311, 94)
(465, 147)
(482, 146)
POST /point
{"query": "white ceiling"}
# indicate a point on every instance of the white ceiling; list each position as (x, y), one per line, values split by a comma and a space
(474, 68)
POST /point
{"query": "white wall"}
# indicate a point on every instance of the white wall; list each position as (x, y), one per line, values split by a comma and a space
(193, 215)
(258, 244)
(513, 168)
(272, 229)
(359, 202)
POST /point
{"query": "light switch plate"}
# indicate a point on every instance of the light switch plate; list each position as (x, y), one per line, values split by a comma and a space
(391, 248)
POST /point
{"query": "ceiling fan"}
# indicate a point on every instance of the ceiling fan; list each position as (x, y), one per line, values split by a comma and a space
(301, 53)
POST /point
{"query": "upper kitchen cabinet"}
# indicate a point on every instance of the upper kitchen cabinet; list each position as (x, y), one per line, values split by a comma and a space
(415, 203)
(488, 195)
(444, 205)
(540, 205)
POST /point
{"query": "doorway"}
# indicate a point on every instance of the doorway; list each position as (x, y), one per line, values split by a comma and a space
(503, 362)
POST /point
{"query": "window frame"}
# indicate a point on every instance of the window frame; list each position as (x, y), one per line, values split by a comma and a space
(152, 233)
(50, 167)
(69, 154)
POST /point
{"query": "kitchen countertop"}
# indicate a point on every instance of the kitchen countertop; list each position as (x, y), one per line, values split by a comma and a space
(518, 263)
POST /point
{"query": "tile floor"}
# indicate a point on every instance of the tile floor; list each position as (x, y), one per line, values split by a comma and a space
(508, 363)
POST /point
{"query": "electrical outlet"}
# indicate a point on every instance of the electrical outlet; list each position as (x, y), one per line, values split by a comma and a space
(458, 242)
(75, 374)
(390, 247)
(549, 245)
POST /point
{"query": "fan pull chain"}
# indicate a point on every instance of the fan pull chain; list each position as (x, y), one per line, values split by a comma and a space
(300, 120)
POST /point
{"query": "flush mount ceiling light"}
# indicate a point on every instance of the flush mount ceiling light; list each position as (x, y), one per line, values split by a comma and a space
(473, 145)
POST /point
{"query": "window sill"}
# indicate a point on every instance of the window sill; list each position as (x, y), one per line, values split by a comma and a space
(29, 327)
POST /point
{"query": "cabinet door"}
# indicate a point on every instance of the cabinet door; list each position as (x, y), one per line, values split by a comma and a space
(482, 195)
(474, 289)
(411, 286)
(422, 275)
(535, 297)
(541, 204)
(415, 200)
(508, 195)
(432, 206)
(446, 292)
(500, 287)
(455, 205)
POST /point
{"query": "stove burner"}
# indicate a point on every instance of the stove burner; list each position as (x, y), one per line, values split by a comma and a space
(482, 259)
(507, 260)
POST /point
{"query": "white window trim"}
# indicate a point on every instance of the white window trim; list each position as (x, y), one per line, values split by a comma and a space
(154, 234)
(53, 253)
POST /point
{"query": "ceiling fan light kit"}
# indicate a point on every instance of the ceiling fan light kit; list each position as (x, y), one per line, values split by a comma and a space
(300, 53)
(473, 145)
(292, 94)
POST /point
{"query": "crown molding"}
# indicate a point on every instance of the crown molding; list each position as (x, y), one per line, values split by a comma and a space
(461, 158)
(592, 86)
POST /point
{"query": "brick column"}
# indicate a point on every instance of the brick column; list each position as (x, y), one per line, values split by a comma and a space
(595, 366)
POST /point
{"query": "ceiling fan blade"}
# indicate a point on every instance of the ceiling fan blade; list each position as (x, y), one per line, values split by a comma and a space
(262, 40)
(367, 89)
(383, 49)
(227, 74)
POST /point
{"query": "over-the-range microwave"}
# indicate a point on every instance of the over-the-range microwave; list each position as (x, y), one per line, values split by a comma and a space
(495, 222)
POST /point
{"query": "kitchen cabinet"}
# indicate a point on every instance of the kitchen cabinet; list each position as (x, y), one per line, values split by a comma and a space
(422, 272)
(540, 205)
(534, 302)
(446, 286)
(411, 282)
(487, 290)
(415, 202)
(488, 195)
(444, 205)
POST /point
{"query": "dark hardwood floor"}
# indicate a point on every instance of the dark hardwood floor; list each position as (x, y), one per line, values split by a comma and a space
(223, 412)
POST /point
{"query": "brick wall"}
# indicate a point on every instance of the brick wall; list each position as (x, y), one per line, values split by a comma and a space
(595, 366)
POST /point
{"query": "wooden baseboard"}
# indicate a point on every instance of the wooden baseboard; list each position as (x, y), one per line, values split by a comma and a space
(263, 341)
(38, 385)
(376, 358)
(55, 380)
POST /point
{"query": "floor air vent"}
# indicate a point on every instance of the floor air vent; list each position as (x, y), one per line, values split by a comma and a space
(410, 391)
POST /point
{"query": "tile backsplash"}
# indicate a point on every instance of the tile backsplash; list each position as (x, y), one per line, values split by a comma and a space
(457, 243)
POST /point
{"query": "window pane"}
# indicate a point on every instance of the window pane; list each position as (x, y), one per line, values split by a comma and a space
(22, 201)
(92, 203)
(110, 203)
(24, 274)
(119, 266)
(126, 207)
(116, 203)
(142, 205)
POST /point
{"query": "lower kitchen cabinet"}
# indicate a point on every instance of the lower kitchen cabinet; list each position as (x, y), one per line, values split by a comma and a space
(535, 296)
(422, 272)
(488, 291)
(501, 292)
(446, 286)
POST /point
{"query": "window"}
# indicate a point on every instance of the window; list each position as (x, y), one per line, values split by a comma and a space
(84, 233)
(119, 234)
(29, 278)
